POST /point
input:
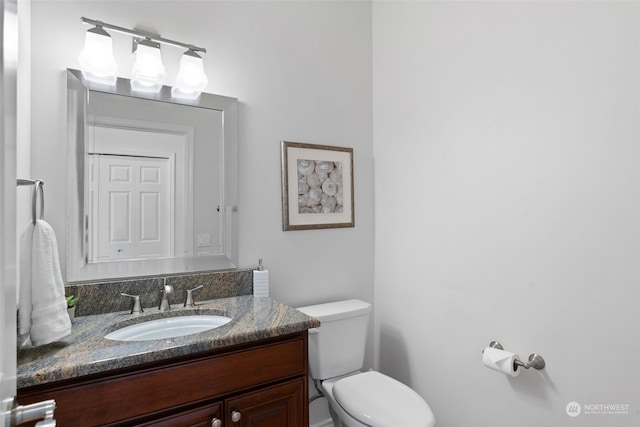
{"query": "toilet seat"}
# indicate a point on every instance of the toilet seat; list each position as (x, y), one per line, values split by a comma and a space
(377, 400)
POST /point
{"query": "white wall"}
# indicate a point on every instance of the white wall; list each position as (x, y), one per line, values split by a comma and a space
(23, 131)
(506, 142)
(301, 71)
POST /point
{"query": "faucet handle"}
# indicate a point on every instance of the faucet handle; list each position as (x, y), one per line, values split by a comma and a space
(135, 308)
(189, 301)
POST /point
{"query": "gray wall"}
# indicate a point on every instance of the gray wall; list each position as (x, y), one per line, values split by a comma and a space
(507, 205)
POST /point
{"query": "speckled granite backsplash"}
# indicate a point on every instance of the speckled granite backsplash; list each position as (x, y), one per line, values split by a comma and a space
(104, 297)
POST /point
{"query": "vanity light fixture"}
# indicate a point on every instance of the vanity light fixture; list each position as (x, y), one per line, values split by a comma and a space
(148, 73)
(191, 77)
(96, 59)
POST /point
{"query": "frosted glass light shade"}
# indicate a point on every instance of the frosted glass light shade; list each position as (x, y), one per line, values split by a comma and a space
(148, 71)
(96, 59)
(191, 78)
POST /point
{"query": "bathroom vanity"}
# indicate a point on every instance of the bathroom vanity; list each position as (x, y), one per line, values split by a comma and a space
(250, 372)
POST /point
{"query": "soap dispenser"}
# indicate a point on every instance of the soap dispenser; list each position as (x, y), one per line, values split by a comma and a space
(260, 281)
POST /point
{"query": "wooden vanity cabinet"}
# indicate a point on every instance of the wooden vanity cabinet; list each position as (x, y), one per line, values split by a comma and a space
(259, 384)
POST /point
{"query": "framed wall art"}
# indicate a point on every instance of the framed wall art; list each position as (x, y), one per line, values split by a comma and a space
(317, 186)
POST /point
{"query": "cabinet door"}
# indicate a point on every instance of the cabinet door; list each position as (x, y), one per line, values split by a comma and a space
(204, 416)
(277, 406)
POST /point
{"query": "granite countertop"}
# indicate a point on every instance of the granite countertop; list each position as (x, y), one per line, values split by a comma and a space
(85, 351)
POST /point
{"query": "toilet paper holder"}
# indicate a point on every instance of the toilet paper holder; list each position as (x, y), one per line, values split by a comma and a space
(535, 360)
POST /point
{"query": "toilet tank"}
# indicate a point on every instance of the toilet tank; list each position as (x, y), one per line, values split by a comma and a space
(337, 346)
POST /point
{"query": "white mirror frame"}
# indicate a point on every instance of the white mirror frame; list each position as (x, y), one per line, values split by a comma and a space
(78, 269)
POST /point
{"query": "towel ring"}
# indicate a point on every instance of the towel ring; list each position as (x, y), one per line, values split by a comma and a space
(38, 189)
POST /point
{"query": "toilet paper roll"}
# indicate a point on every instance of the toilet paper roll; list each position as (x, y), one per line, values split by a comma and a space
(501, 361)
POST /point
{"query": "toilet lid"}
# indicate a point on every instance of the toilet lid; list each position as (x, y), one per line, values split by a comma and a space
(377, 400)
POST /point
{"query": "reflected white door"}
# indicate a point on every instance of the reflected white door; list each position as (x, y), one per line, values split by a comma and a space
(131, 208)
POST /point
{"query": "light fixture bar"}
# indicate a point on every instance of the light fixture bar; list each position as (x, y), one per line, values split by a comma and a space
(143, 35)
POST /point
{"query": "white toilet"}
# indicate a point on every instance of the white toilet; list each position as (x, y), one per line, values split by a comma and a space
(356, 398)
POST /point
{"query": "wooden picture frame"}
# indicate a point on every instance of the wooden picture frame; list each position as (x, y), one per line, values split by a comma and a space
(317, 186)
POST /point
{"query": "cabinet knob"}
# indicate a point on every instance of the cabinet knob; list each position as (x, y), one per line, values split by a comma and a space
(216, 422)
(235, 416)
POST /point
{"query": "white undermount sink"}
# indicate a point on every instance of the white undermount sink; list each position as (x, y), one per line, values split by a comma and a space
(168, 327)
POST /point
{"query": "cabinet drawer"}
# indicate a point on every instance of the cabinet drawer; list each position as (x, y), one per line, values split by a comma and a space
(200, 417)
(147, 391)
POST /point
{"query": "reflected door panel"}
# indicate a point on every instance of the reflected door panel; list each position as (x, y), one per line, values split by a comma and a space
(131, 208)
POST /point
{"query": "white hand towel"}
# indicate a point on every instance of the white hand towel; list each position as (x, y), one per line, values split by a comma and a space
(48, 318)
(24, 291)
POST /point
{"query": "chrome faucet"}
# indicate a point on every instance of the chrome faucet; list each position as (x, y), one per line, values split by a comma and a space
(166, 291)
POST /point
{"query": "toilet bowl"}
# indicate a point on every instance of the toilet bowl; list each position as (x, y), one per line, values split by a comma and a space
(357, 399)
(373, 399)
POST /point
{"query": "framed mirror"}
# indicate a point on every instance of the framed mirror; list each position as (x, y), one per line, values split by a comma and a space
(152, 182)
